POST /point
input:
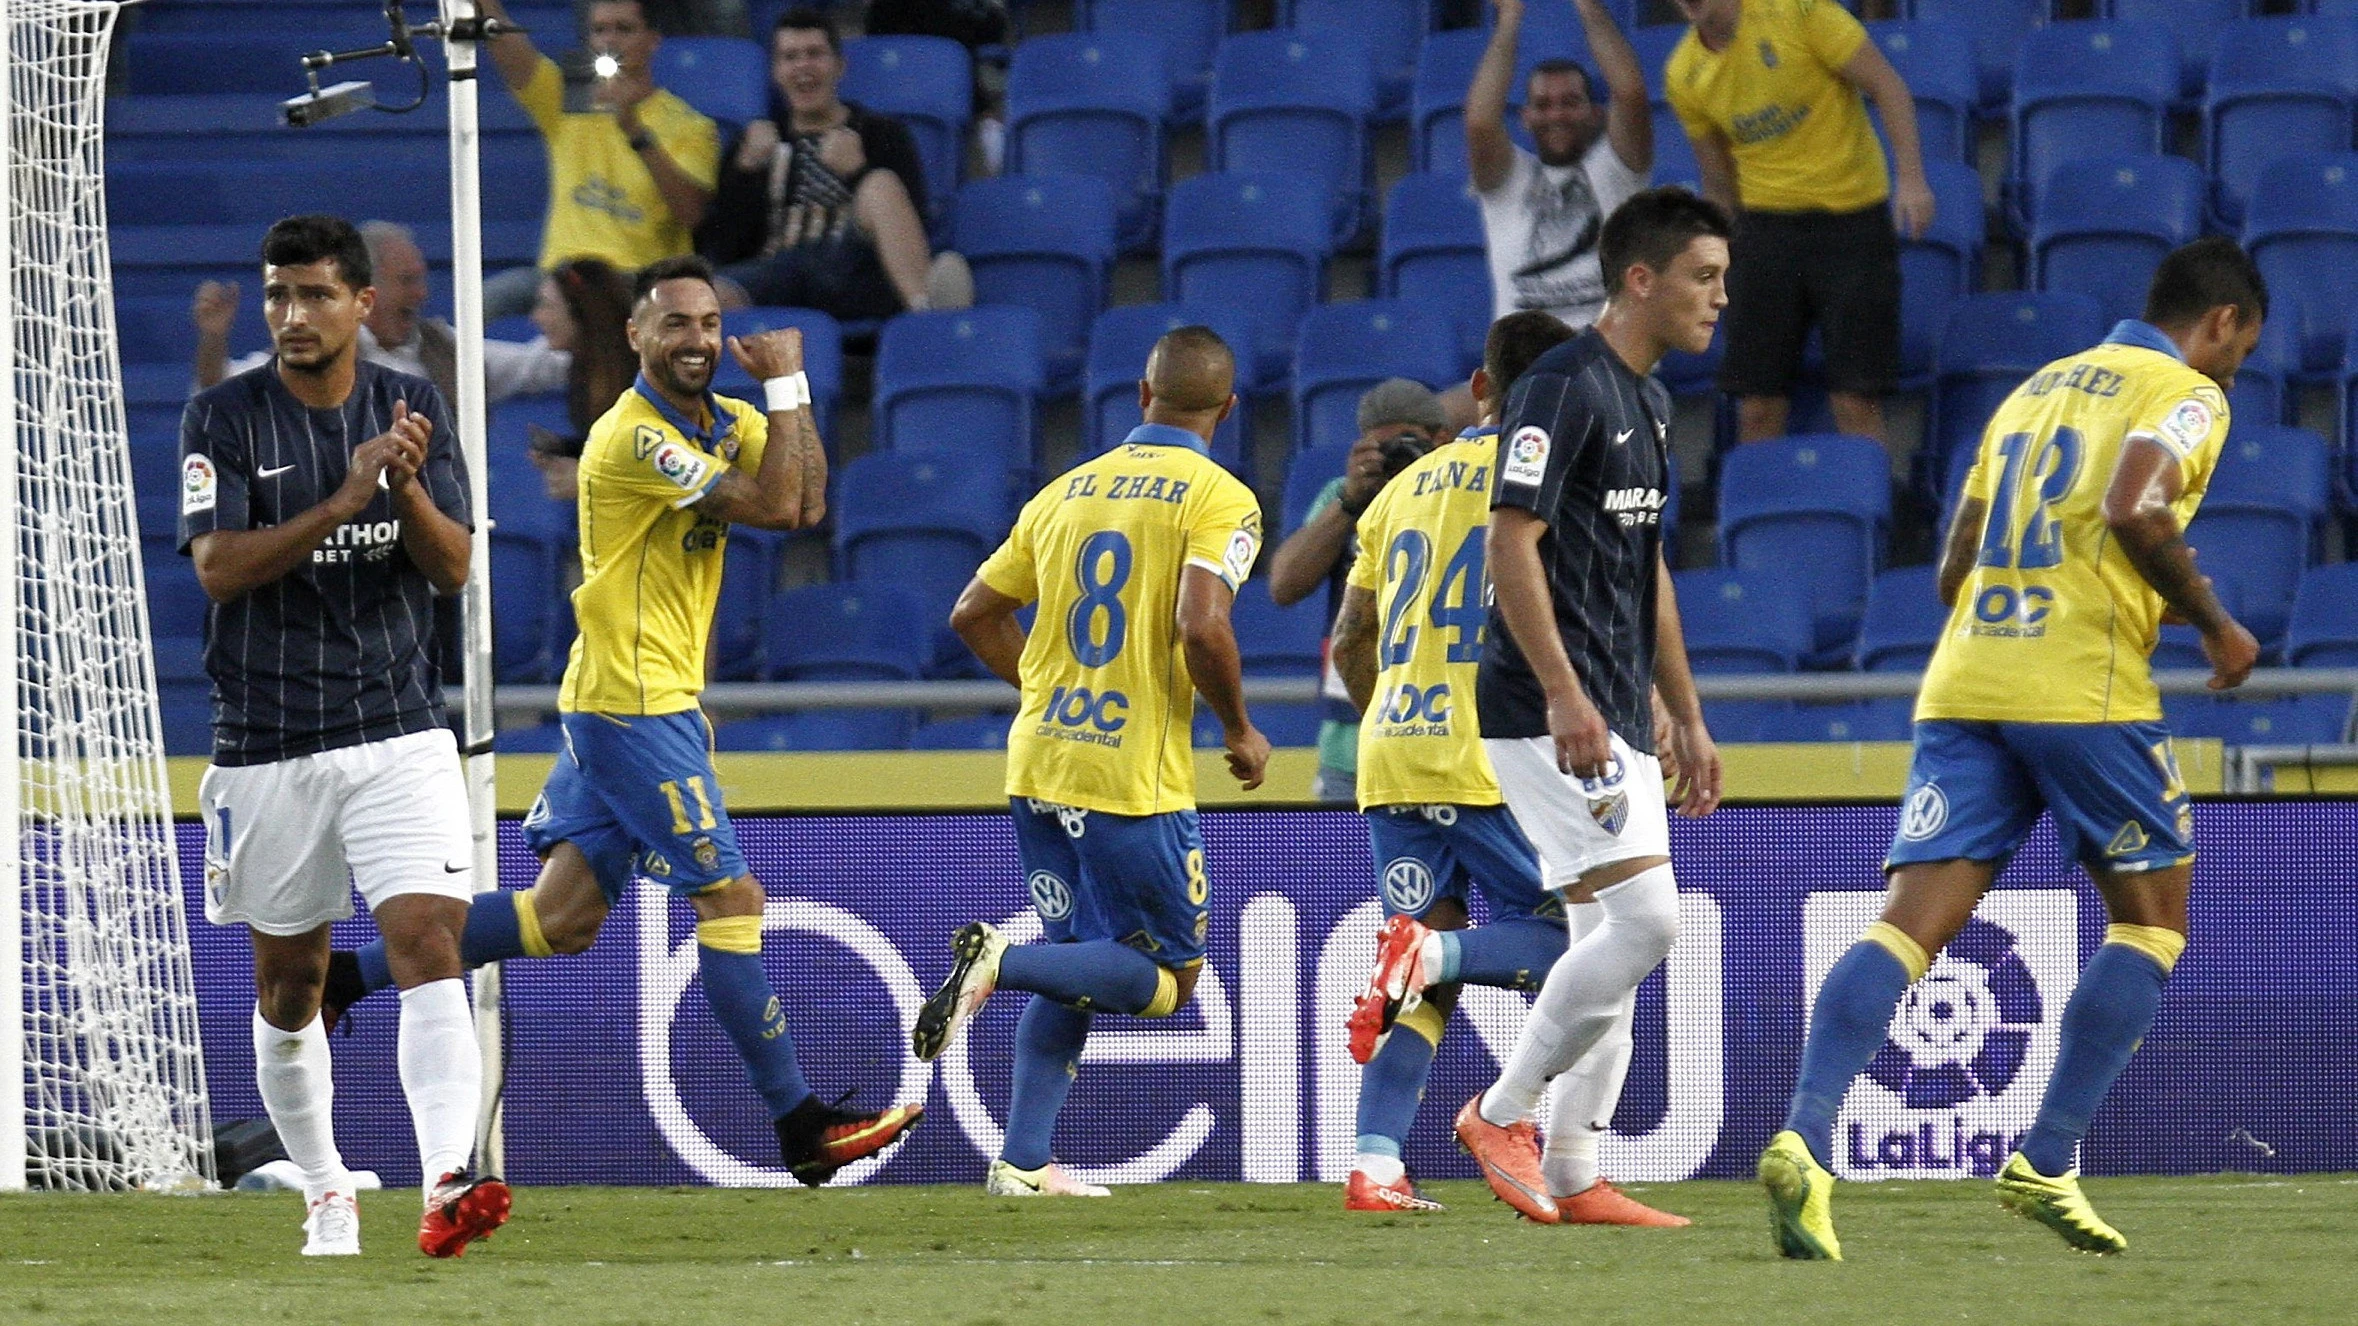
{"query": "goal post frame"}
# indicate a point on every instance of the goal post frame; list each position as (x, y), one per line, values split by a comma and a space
(14, 1115)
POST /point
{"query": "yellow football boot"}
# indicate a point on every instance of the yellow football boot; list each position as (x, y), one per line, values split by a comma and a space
(2058, 1204)
(1801, 1200)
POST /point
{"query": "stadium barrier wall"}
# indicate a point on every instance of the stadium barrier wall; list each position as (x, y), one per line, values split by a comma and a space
(618, 1076)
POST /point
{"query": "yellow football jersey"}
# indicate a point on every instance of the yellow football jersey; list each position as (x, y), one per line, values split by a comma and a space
(2054, 625)
(650, 565)
(1420, 553)
(1798, 129)
(1108, 704)
(603, 202)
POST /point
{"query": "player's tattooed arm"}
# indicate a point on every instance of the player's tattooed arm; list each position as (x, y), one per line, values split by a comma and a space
(773, 496)
(1209, 641)
(1962, 549)
(2137, 511)
(985, 619)
(232, 563)
(1355, 646)
(1694, 755)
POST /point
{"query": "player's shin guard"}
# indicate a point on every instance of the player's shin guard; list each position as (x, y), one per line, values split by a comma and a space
(1587, 990)
(2108, 1015)
(441, 1074)
(728, 960)
(299, 1093)
(1048, 1041)
(1099, 975)
(1513, 954)
(1393, 1085)
(500, 925)
(1847, 1027)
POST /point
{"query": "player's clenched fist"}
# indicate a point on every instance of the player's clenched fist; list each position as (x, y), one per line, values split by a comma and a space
(771, 354)
(1248, 757)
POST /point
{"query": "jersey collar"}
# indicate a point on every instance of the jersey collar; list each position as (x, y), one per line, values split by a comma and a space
(723, 423)
(2145, 336)
(1165, 435)
(1478, 432)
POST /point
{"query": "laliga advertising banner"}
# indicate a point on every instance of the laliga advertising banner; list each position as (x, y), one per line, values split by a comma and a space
(618, 1075)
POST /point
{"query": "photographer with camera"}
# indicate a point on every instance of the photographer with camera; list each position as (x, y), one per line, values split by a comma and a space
(1399, 421)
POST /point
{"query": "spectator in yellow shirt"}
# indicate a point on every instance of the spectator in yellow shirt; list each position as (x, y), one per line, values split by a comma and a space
(629, 178)
(1773, 93)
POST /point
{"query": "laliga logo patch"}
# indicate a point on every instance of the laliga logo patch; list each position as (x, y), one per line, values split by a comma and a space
(681, 465)
(1926, 814)
(2188, 424)
(199, 485)
(1051, 896)
(1526, 456)
(1408, 885)
(1243, 547)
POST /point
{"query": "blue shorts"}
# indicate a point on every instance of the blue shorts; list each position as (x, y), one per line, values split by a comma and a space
(638, 796)
(1975, 790)
(1426, 853)
(1135, 879)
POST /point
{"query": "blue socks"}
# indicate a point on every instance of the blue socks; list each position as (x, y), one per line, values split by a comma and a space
(494, 933)
(1099, 976)
(2108, 1015)
(728, 960)
(1514, 954)
(1048, 1042)
(1393, 1083)
(1846, 1028)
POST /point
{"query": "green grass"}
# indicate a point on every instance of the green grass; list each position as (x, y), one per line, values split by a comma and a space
(2230, 1250)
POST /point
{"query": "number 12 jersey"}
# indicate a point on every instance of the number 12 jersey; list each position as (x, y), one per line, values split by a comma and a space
(1108, 704)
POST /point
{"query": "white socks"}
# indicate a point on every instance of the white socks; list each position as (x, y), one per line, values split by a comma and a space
(1588, 991)
(1580, 1105)
(441, 1074)
(299, 1093)
(1383, 1169)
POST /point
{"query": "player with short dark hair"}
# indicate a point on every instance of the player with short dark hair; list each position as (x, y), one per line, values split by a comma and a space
(324, 501)
(2067, 554)
(1583, 631)
(1134, 559)
(662, 476)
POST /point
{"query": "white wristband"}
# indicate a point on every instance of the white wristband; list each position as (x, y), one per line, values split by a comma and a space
(787, 393)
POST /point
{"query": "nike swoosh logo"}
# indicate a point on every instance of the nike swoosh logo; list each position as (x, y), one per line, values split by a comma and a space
(453, 870)
(272, 474)
(1622, 436)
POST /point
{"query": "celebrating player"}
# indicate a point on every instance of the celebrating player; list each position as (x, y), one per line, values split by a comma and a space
(1134, 559)
(663, 476)
(324, 502)
(2066, 556)
(1585, 627)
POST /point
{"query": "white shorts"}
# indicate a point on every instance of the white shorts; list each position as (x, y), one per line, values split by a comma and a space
(1578, 824)
(286, 842)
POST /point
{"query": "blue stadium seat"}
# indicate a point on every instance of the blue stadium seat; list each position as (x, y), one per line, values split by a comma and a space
(1935, 57)
(1307, 473)
(507, 439)
(927, 83)
(1846, 720)
(2279, 87)
(822, 359)
(1094, 104)
(1118, 345)
(2301, 227)
(1940, 267)
(408, 184)
(848, 632)
(741, 621)
(1286, 725)
(1997, 28)
(1433, 255)
(2097, 88)
(1045, 242)
(1297, 102)
(2300, 720)
(976, 732)
(2263, 518)
(176, 602)
(963, 380)
(725, 78)
(267, 60)
(818, 730)
(1394, 31)
(1275, 641)
(2105, 223)
(1739, 621)
(1190, 30)
(2264, 387)
(524, 586)
(1347, 348)
(920, 521)
(546, 738)
(1255, 242)
(2195, 23)
(2324, 629)
(242, 125)
(155, 329)
(1674, 152)
(1815, 509)
(1903, 620)
(1992, 342)
(1437, 101)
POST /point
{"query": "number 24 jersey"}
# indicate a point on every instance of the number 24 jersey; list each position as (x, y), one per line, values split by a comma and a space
(1108, 704)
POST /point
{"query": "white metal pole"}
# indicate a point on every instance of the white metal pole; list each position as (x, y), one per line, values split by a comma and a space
(466, 262)
(12, 912)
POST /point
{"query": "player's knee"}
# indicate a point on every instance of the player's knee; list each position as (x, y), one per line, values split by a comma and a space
(287, 989)
(1643, 910)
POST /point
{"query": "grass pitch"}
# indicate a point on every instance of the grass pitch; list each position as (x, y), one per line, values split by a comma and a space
(2237, 1250)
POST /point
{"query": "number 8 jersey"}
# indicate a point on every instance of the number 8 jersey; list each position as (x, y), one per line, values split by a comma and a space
(2054, 625)
(1108, 705)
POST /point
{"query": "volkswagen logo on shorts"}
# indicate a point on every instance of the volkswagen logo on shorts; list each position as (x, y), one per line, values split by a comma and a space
(1408, 886)
(1051, 896)
(1927, 813)
(1965, 1028)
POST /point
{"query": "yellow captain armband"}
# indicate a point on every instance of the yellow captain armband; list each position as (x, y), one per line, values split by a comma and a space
(1896, 941)
(730, 934)
(2159, 943)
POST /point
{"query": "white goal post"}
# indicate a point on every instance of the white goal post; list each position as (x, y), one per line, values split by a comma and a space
(98, 1015)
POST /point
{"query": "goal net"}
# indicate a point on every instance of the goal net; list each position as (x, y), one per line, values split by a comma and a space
(98, 1013)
